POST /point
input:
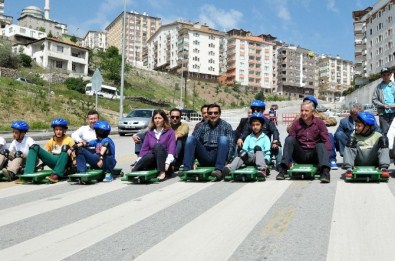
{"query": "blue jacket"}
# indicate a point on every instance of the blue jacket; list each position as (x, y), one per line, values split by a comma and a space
(346, 126)
(262, 141)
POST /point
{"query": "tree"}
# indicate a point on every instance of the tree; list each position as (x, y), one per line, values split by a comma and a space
(73, 39)
(25, 60)
(110, 63)
(7, 58)
(260, 96)
(75, 84)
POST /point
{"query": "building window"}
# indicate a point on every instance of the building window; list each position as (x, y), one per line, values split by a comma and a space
(59, 49)
(211, 45)
(58, 64)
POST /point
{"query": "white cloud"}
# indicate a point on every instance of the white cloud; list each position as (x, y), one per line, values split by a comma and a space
(281, 7)
(331, 6)
(219, 18)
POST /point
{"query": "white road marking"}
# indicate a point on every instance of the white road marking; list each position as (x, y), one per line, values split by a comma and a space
(30, 209)
(21, 189)
(75, 237)
(217, 233)
(363, 226)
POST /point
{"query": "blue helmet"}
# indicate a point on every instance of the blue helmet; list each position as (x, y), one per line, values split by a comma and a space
(312, 99)
(366, 118)
(59, 122)
(102, 125)
(258, 103)
(20, 125)
(257, 116)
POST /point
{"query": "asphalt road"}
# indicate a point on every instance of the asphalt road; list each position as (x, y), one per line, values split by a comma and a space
(175, 220)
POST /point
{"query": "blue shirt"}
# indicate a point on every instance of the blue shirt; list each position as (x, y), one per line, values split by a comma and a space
(98, 144)
(388, 95)
(262, 141)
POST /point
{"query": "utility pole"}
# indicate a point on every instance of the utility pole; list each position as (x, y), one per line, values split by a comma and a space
(123, 61)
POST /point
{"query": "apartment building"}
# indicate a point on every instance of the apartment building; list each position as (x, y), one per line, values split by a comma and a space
(196, 49)
(335, 76)
(139, 28)
(58, 55)
(32, 17)
(21, 35)
(94, 40)
(249, 60)
(297, 72)
(374, 39)
(4, 19)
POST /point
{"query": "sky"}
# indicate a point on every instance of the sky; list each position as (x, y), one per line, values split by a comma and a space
(323, 26)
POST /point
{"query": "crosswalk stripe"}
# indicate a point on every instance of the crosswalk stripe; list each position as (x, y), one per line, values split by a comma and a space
(217, 233)
(362, 223)
(22, 189)
(75, 237)
(14, 214)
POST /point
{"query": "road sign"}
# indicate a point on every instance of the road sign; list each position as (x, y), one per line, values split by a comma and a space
(97, 81)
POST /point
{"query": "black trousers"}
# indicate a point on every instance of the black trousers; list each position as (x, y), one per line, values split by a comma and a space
(293, 152)
(385, 121)
(155, 159)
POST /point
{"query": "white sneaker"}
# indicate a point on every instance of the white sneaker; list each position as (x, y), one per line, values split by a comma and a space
(333, 165)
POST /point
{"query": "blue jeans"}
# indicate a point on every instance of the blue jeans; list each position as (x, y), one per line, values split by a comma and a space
(332, 157)
(341, 140)
(206, 156)
(85, 156)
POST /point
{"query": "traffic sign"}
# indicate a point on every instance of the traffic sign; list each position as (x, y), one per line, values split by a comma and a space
(97, 80)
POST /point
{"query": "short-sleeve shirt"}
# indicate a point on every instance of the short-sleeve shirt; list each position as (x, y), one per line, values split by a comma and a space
(55, 147)
(22, 146)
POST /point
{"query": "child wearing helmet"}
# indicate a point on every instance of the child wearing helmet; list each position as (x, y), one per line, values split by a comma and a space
(13, 158)
(56, 153)
(256, 148)
(366, 146)
(104, 155)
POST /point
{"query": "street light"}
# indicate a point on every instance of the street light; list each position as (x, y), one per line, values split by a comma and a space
(182, 74)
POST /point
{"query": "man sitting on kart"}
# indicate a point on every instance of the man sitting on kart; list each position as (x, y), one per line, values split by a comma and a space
(308, 143)
(366, 147)
(256, 148)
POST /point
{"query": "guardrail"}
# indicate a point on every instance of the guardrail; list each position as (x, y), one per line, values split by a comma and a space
(288, 117)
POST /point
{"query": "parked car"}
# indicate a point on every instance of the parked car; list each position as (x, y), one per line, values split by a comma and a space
(136, 120)
(370, 108)
(24, 80)
(344, 113)
(187, 114)
(321, 108)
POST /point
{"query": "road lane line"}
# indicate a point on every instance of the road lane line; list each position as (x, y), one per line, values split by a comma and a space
(26, 210)
(363, 225)
(19, 189)
(217, 233)
(75, 237)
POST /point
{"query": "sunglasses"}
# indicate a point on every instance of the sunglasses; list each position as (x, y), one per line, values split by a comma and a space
(213, 112)
(175, 117)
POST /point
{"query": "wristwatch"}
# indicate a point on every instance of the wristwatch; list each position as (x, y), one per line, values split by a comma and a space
(100, 157)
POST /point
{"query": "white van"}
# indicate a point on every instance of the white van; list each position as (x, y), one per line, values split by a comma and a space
(106, 91)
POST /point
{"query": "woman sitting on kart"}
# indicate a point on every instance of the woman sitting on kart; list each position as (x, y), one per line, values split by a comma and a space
(256, 148)
(159, 146)
(366, 147)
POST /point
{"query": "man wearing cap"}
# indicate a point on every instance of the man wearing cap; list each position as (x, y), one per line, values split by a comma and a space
(384, 99)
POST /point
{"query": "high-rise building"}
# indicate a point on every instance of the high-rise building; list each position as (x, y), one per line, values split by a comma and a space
(94, 40)
(249, 60)
(33, 17)
(335, 76)
(196, 49)
(139, 28)
(4, 19)
(374, 39)
(297, 73)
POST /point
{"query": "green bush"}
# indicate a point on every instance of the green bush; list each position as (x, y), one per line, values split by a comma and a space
(75, 84)
(39, 125)
(25, 60)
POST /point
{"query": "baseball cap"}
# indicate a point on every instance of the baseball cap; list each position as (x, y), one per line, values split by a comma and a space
(385, 70)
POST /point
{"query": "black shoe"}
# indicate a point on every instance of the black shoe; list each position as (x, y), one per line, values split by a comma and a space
(217, 174)
(226, 171)
(281, 174)
(261, 173)
(325, 177)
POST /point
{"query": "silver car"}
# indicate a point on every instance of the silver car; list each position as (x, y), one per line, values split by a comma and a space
(136, 120)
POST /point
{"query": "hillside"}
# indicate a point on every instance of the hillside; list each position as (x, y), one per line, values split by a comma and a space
(38, 104)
